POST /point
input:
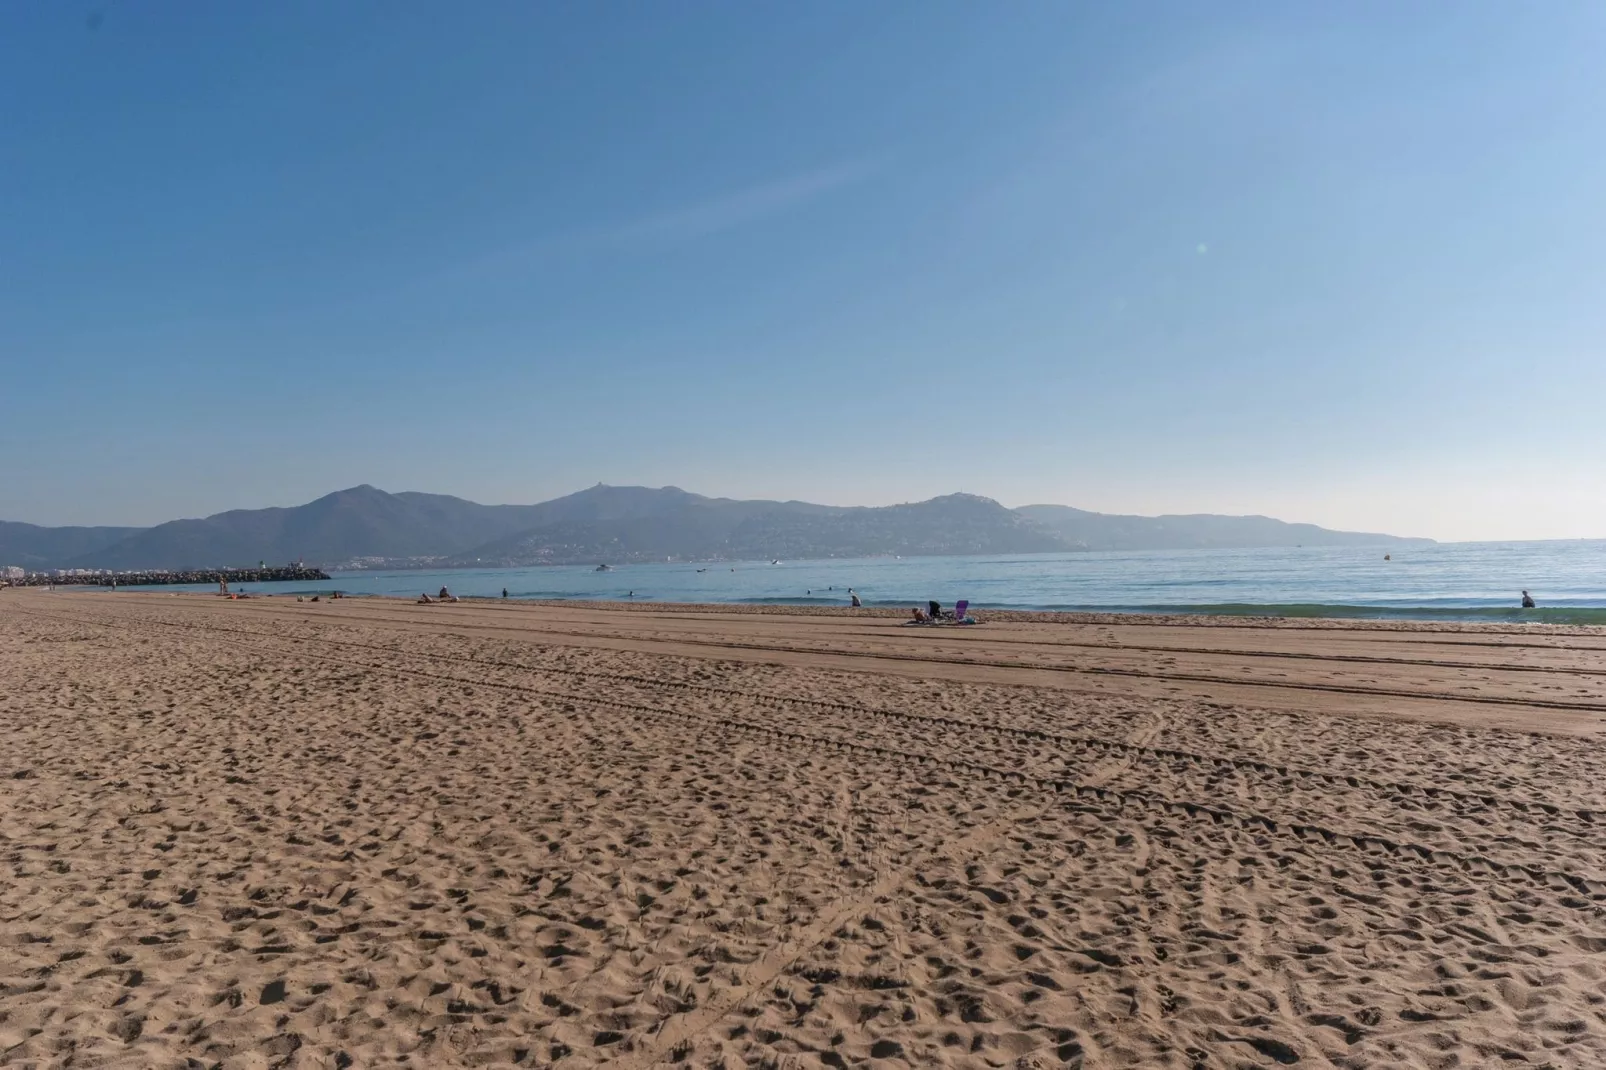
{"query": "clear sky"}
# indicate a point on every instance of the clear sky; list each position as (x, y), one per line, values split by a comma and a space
(1339, 263)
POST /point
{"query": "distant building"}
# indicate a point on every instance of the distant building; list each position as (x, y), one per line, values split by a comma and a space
(12, 572)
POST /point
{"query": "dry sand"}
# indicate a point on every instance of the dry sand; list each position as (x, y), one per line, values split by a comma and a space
(266, 833)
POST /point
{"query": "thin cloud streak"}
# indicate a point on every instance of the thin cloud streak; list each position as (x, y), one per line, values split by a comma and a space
(690, 222)
(732, 210)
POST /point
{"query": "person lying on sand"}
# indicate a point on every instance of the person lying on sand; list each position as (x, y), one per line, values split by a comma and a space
(425, 600)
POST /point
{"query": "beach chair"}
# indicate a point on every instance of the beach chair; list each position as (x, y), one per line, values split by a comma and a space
(959, 610)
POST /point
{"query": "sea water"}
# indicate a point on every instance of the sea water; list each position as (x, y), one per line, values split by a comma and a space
(1471, 580)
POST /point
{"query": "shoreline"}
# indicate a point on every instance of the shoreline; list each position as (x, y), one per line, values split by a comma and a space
(1494, 621)
(1207, 616)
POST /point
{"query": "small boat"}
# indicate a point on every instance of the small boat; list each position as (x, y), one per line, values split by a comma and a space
(603, 568)
(777, 561)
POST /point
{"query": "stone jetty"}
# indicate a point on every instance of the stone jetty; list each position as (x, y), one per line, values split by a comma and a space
(85, 578)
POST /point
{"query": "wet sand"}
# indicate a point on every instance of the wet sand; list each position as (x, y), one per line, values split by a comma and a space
(269, 833)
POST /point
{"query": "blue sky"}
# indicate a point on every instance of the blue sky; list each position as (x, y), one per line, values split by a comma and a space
(1336, 263)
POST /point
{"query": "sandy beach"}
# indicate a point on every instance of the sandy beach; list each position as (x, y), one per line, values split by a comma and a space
(365, 832)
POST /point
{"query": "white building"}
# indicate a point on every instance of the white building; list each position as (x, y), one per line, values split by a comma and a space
(12, 572)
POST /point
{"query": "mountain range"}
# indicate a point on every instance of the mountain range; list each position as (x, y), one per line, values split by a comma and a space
(368, 527)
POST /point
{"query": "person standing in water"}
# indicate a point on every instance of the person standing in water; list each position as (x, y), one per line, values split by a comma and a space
(853, 599)
(1527, 600)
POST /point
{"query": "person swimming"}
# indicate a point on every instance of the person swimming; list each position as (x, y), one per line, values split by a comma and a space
(1527, 600)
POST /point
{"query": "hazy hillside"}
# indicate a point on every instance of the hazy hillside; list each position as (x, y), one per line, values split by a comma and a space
(717, 528)
(361, 521)
(367, 522)
(692, 529)
(604, 523)
(953, 524)
(1108, 531)
(31, 546)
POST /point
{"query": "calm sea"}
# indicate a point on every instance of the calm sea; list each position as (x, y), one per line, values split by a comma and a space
(1473, 580)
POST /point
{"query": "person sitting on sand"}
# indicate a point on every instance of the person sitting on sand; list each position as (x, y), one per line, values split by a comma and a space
(1527, 600)
(444, 595)
(853, 599)
(934, 608)
(918, 615)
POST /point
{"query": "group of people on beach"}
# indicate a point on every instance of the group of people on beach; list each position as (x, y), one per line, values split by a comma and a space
(935, 614)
